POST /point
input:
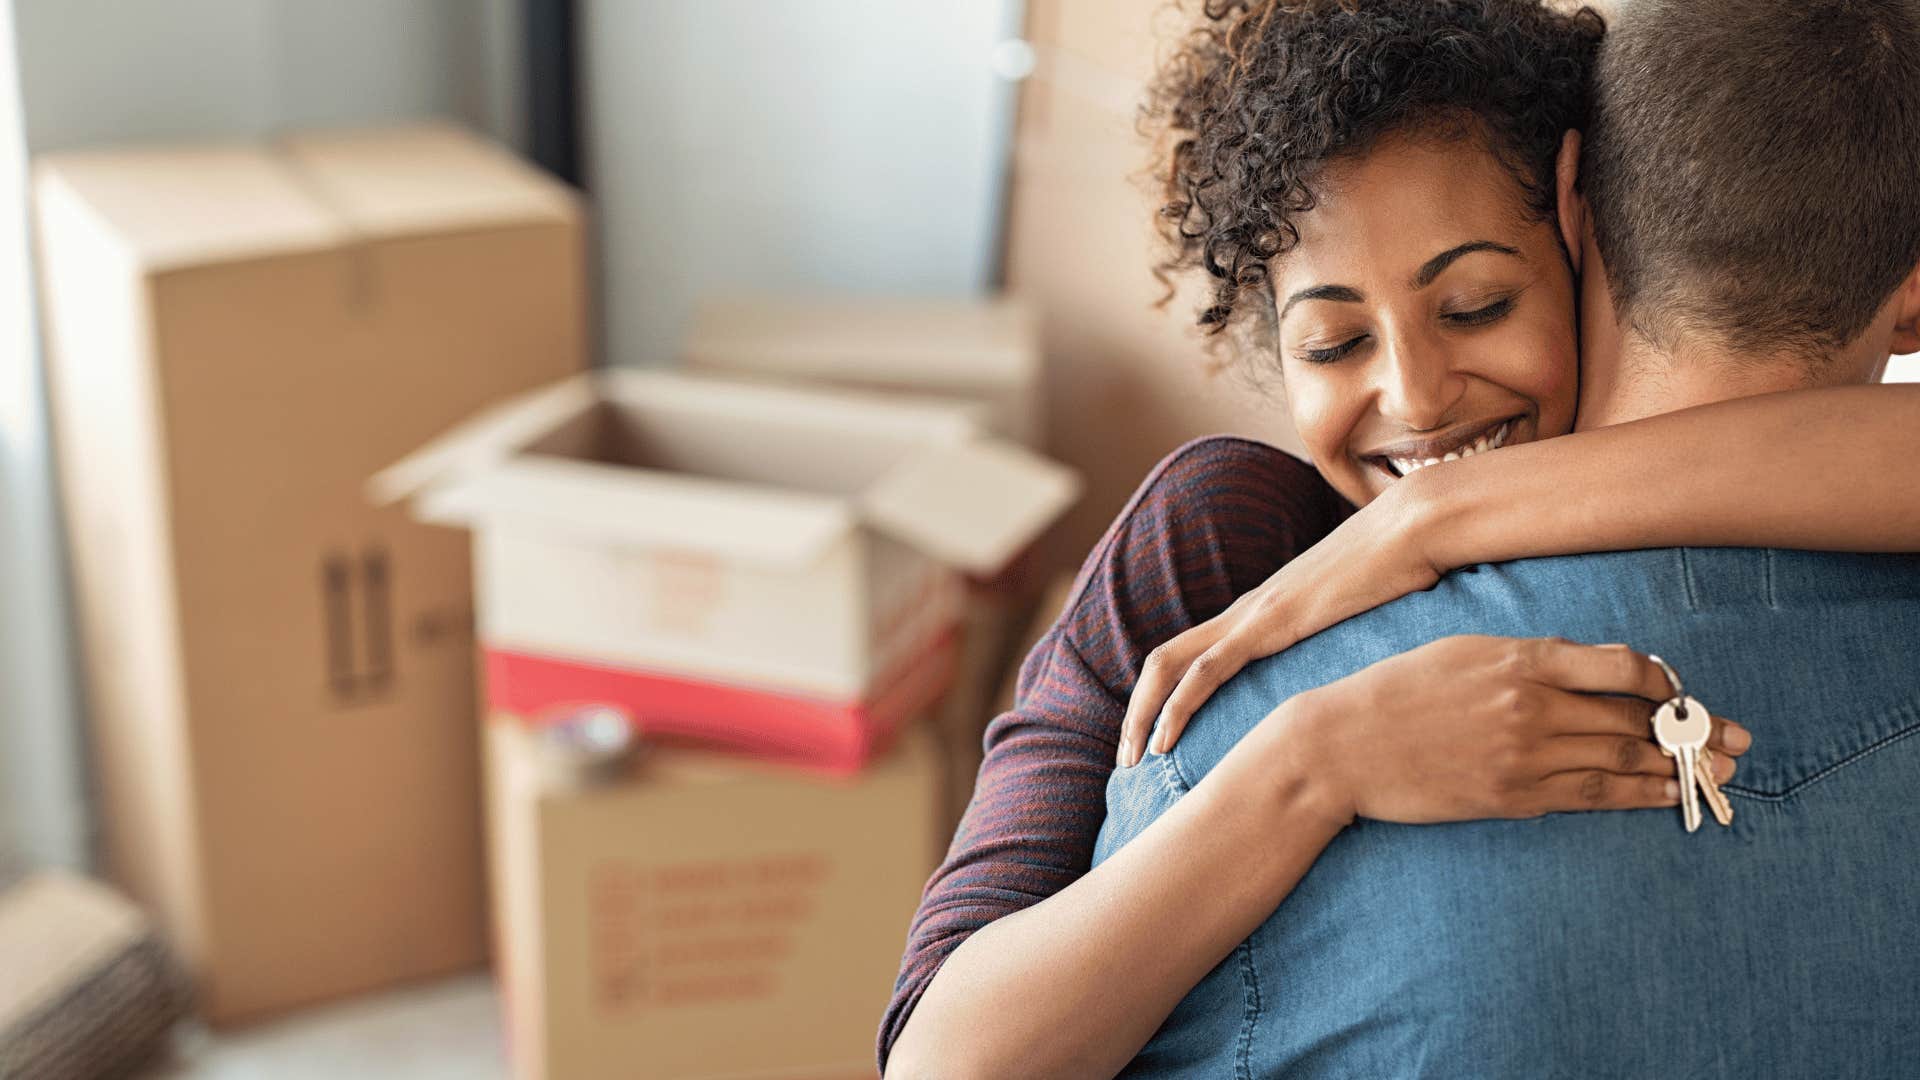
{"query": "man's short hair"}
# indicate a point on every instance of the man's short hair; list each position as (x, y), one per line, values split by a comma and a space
(1753, 167)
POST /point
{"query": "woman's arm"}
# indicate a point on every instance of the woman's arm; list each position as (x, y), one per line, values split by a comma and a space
(1214, 519)
(1076, 984)
(1464, 728)
(1835, 469)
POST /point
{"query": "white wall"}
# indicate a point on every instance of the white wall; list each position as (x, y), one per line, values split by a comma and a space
(789, 144)
(108, 70)
(93, 71)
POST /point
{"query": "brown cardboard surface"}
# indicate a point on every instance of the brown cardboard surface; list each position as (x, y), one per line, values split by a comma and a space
(981, 351)
(280, 676)
(706, 917)
(1126, 383)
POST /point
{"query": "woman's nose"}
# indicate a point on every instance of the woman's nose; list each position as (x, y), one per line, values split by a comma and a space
(1417, 385)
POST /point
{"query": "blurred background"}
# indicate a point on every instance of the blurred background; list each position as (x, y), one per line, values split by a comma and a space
(514, 514)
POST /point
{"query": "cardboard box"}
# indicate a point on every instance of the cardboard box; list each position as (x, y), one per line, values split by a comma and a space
(986, 352)
(280, 677)
(775, 567)
(708, 917)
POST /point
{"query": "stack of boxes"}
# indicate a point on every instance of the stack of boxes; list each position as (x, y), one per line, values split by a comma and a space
(280, 372)
(786, 570)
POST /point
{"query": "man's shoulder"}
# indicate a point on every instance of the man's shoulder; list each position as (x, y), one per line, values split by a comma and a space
(1660, 598)
(1690, 579)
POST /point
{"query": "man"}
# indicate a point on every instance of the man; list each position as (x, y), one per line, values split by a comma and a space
(1730, 245)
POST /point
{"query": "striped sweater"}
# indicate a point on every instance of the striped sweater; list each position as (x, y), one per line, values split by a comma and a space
(1214, 519)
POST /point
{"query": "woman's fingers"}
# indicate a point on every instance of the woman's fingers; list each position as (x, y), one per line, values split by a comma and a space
(1158, 677)
(1594, 669)
(1598, 789)
(1624, 754)
(1208, 672)
(1729, 739)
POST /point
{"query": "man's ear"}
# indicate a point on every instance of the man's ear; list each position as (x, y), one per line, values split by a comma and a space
(1572, 206)
(1906, 319)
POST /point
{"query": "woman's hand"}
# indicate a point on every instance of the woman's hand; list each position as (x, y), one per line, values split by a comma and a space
(1375, 556)
(1468, 728)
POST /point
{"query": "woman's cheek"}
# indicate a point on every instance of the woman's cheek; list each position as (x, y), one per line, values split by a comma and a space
(1326, 414)
(1543, 366)
(1308, 403)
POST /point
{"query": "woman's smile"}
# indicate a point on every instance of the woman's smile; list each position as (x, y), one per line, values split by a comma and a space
(1465, 440)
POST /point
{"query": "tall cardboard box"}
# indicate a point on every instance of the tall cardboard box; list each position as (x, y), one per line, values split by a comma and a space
(705, 916)
(280, 677)
(773, 567)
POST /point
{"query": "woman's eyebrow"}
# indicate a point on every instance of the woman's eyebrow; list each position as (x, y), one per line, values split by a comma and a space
(1431, 269)
(1344, 293)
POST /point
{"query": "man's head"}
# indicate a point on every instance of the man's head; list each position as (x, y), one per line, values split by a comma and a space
(1751, 173)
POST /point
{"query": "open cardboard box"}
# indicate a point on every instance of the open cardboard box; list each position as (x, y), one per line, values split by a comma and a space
(771, 567)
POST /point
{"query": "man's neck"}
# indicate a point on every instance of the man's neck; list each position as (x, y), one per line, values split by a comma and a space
(1641, 379)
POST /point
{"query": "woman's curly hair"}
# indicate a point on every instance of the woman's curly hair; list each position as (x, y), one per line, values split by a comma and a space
(1261, 96)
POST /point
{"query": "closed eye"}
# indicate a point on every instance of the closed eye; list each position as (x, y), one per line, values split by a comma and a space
(1333, 352)
(1481, 316)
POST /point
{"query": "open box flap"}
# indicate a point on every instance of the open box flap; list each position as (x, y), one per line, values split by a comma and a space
(483, 440)
(789, 530)
(974, 505)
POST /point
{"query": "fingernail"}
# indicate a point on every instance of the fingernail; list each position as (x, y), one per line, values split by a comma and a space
(1673, 789)
(1124, 758)
(1736, 737)
(1612, 645)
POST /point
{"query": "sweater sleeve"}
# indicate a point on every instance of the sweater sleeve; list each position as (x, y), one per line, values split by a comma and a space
(1213, 519)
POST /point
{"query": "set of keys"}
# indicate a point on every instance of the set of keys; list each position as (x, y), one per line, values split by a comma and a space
(1682, 726)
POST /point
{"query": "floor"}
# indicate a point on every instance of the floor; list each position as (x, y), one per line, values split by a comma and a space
(447, 1029)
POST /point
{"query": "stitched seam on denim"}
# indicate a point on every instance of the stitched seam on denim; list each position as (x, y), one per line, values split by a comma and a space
(1172, 779)
(1180, 778)
(1686, 580)
(1792, 789)
(1250, 1005)
(1767, 579)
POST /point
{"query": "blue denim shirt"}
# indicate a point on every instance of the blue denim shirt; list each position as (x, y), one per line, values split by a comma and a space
(1602, 944)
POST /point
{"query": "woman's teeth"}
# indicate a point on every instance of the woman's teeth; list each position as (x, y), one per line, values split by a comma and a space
(1492, 441)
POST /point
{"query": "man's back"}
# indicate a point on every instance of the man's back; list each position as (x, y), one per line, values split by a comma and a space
(1604, 944)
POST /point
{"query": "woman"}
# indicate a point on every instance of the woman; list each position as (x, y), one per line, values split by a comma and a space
(1410, 147)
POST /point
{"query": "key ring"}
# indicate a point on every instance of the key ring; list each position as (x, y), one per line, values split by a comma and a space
(1679, 691)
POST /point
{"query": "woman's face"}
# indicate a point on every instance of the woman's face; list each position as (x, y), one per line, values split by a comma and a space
(1424, 314)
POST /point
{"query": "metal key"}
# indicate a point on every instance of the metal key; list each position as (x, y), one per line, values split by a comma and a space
(1710, 789)
(1681, 727)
